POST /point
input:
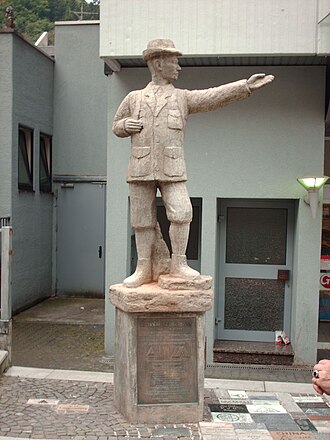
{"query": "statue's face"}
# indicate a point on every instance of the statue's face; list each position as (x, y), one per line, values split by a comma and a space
(170, 68)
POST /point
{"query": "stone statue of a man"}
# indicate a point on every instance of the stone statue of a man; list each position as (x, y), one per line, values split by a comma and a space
(9, 18)
(155, 119)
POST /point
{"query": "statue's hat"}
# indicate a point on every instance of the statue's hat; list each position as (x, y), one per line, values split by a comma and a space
(160, 46)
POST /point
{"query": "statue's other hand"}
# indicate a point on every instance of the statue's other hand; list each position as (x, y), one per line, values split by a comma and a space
(133, 126)
(259, 80)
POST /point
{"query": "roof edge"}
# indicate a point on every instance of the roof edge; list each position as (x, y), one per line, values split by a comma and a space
(76, 22)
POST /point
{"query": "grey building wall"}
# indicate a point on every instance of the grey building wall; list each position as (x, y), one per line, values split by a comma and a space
(80, 101)
(32, 82)
(253, 149)
(6, 104)
(80, 136)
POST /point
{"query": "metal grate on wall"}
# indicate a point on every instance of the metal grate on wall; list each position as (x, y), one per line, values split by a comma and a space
(219, 366)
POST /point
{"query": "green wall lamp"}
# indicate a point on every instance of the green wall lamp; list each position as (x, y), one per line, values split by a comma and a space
(312, 185)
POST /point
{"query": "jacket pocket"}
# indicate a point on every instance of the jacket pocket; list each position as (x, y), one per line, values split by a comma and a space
(140, 163)
(173, 161)
(174, 120)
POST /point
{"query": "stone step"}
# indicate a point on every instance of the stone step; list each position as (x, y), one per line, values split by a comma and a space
(246, 352)
(4, 361)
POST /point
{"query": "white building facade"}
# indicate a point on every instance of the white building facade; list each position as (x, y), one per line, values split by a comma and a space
(252, 227)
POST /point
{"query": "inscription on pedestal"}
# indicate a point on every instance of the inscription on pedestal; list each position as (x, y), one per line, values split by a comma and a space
(166, 360)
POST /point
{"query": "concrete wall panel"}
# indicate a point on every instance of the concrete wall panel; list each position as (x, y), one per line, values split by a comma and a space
(6, 105)
(80, 102)
(31, 211)
(227, 27)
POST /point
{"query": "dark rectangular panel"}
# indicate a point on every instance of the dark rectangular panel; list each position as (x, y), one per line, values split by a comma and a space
(256, 236)
(254, 304)
(166, 360)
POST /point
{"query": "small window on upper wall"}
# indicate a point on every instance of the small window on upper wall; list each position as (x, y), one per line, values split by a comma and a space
(25, 158)
(45, 164)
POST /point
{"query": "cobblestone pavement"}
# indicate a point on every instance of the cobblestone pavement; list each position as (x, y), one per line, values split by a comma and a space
(247, 403)
(53, 345)
(81, 347)
(41, 404)
(68, 333)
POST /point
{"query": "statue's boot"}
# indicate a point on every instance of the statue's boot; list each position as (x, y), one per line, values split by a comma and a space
(180, 268)
(142, 274)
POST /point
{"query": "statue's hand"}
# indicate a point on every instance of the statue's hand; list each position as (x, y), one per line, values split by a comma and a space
(133, 126)
(259, 80)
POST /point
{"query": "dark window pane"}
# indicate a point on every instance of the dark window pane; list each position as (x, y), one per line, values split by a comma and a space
(256, 236)
(25, 159)
(45, 175)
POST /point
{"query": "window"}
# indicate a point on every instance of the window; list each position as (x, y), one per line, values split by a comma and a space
(45, 164)
(25, 159)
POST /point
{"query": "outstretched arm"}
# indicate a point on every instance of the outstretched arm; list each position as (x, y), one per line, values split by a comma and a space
(211, 99)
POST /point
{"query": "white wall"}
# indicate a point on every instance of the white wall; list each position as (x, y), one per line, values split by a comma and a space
(212, 27)
(252, 149)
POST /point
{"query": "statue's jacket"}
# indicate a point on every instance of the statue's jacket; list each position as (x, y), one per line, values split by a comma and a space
(157, 151)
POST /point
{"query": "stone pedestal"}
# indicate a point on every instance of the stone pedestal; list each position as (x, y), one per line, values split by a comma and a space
(159, 359)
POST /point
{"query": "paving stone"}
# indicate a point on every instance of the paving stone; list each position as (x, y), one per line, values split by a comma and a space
(276, 422)
(317, 411)
(176, 432)
(42, 402)
(266, 409)
(231, 417)
(283, 396)
(261, 396)
(292, 436)
(234, 401)
(321, 418)
(310, 398)
(305, 424)
(292, 407)
(265, 402)
(237, 394)
(220, 394)
(261, 434)
(215, 431)
(313, 405)
(228, 408)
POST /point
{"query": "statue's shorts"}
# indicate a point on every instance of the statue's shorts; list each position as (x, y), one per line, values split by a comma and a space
(143, 203)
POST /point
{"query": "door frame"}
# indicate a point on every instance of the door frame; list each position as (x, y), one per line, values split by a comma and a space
(61, 286)
(252, 271)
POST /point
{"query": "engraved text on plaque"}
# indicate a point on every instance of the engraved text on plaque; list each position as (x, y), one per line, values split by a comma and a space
(167, 360)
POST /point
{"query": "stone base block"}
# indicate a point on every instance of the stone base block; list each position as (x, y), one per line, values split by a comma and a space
(152, 298)
(159, 359)
(159, 367)
(171, 282)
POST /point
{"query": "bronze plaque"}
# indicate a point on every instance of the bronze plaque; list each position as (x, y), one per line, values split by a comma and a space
(166, 360)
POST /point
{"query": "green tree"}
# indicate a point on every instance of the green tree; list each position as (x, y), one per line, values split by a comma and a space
(32, 17)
